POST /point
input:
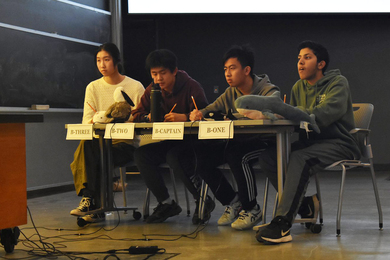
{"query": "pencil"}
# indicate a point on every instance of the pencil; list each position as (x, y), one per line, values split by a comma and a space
(92, 107)
(193, 100)
(284, 98)
(173, 108)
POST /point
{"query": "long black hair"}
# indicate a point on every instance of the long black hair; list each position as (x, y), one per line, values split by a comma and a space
(113, 50)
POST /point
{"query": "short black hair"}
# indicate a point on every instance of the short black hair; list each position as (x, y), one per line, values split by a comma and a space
(244, 55)
(320, 51)
(161, 58)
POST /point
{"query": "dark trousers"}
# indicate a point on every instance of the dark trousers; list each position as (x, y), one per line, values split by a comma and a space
(86, 166)
(149, 158)
(240, 154)
(306, 158)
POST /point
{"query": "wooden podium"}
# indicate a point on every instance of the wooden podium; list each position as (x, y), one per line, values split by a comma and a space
(13, 198)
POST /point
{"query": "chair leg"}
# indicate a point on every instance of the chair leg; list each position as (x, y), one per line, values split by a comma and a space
(203, 195)
(176, 195)
(265, 200)
(275, 204)
(321, 220)
(378, 203)
(343, 173)
(122, 173)
(146, 203)
(187, 202)
(174, 186)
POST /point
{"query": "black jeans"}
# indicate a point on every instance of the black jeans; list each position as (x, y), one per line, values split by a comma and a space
(122, 153)
(149, 158)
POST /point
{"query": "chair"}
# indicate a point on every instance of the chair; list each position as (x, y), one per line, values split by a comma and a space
(362, 114)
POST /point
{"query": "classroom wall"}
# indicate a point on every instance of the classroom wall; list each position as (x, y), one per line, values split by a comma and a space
(359, 45)
(47, 50)
(48, 57)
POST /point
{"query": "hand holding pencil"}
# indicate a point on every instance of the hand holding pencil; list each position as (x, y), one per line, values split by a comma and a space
(195, 115)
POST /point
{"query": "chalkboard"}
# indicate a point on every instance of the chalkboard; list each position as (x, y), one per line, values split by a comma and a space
(37, 69)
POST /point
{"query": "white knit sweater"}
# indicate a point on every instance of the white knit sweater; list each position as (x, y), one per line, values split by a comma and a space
(100, 95)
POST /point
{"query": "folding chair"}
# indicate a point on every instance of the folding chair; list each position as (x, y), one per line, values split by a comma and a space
(362, 114)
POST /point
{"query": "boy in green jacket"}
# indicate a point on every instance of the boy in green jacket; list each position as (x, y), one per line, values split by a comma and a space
(327, 96)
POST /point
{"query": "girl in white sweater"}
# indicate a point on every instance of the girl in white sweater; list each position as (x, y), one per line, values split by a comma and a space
(99, 95)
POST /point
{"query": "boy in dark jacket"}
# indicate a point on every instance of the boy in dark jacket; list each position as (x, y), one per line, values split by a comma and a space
(177, 90)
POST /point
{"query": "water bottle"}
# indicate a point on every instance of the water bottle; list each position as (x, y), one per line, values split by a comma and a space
(155, 103)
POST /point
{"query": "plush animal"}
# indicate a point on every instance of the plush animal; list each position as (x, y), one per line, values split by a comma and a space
(254, 107)
(119, 112)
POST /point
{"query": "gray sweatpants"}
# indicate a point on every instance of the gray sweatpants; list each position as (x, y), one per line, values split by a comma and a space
(305, 159)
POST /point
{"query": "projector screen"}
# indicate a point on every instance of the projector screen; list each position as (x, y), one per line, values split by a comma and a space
(259, 6)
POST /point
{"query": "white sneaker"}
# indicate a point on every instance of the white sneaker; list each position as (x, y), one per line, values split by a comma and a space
(85, 205)
(247, 218)
(230, 214)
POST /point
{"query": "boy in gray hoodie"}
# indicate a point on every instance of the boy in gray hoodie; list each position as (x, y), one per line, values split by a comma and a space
(242, 210)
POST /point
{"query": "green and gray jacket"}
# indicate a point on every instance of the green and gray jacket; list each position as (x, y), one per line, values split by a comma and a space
(330, 101)
(261, 86)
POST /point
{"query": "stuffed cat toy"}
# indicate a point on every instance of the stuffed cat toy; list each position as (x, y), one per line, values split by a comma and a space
(251, 106)
(119, 112)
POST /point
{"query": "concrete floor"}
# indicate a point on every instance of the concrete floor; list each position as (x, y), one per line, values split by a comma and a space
(360, 236)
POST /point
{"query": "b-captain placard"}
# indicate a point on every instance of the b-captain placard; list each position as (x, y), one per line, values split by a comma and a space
(168, 131)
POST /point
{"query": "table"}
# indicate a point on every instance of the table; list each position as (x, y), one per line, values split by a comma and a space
(281, 128)
(13, 199)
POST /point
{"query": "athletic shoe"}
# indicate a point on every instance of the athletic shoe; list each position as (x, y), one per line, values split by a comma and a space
(309, 207)
(248, 218)
(278, 231)
(230, 214)
(91, 218)
(164, 211)
(209, 206)
(85, 205)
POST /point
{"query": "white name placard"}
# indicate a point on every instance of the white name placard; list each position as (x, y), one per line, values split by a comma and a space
(119, 131)
(216, 130)
(79, 132)
(165, 131)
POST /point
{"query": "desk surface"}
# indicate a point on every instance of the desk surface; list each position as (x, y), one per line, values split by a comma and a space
(236, 123)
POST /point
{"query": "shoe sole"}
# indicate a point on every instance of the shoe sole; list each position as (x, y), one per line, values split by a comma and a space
(78, 214)
(270, 241)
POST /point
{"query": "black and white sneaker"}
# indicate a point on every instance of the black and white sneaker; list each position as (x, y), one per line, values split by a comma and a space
(91, 218)
(209, 206)
(278, 231)
(164, 211)
(309, 207)
(85, 205)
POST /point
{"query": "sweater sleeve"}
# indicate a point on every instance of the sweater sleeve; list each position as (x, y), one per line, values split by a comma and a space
(334, 106)
(88, 112)
(218, 105)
